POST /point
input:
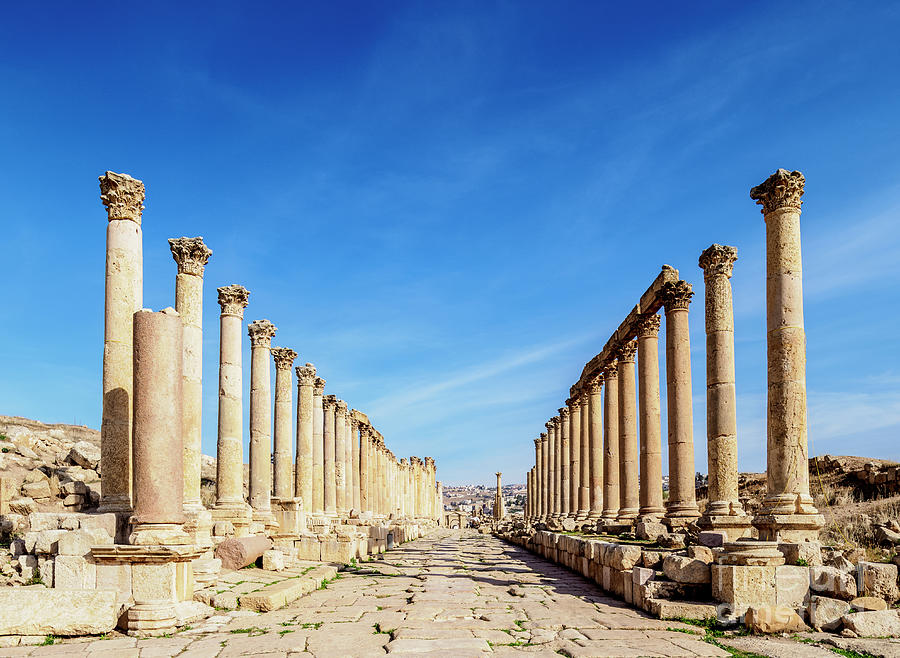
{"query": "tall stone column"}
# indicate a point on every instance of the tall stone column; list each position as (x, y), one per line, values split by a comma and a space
(682, 504)
(499, 512)
(158, 397)
(652, 507)
(191, 256)
(340, 459)
(355, 481)
(595, 433)
(628, 450)
(348, 460)
(261, 333)
(788, 511)
(584, 491)
(282, 457)
(545, 478)
(440, 498)
(551, 470)
(230, 503)
(318, 445)
(364, 468)
(123, 197)
(565, 463)
(536, 483)
(611, 443)
(529, 496)
(574, 405)
(303, 469)
(329, 403)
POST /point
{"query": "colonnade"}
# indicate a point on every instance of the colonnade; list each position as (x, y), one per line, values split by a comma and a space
(602, 459)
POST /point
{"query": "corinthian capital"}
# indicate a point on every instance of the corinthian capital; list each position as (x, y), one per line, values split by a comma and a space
(543, 436)
(564, 413)
(233, 299)
(782, 189)
(306, 375)
(595, 385)
(718, 259)
(627, 351)
(341, 407)
(122, 195)
(648, 326)
(190, 254)
(677, 295)
(284, 357)
(329, 401)
(261, 333)
(318, 386)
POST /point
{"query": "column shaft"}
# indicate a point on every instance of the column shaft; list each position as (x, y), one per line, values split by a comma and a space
(329, 403)
(564, 463)
(303, 468)
(318, 447)
(596, 446)
(283, 471)
(652, 507)
(340, 458)
(261, 333)
(611, 444)
(628, 448)
(574, 455)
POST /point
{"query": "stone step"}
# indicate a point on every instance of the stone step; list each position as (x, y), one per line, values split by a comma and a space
(285, 592)
(666, 609)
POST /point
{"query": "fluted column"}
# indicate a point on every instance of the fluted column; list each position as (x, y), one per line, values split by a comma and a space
(303, 468)
(788, 509)
(191, 256)
(628, 448)
(584, 489)
(329, 402)
(261, 333)
(574, 405)
(123, 197)
(652, 508)
(340, 457)
(283, 459)
(565, 463)
(318, 447)
(229, 449)
(611, 443)
(682, 502)
(595, 387)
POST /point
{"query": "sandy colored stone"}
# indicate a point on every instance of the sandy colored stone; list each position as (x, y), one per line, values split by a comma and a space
(880, 623)
(832, 582)
(238, 552)
(879, 580)
(683, 569)
(261, 333)
(283, 471)
(825, 613)
(611, 443)
(629, 501)
(773, 619)
(26, 611)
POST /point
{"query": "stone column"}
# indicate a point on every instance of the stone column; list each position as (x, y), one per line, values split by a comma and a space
(584, 491)
(303, 469)
(529, 496)
(340, 460)
(565, 458)
(499, 512)
(536, 483)
(553, 431)
(440, 498)
(431, 470)
(611, 443)
(229, 448)
(329, 403)
(364, 468)
(348, 462)
(545, 478)
(355, 481)
(574, 405)
(787, 511)
(682, 504)
(652, 507)
(596, 445)
(318, 447)
(628, 448)
(261, 333)
(282, 457)
(158, 398)
(123, 197)
(191, 255)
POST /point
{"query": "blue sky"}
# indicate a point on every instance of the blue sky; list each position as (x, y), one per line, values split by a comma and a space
(448, 207)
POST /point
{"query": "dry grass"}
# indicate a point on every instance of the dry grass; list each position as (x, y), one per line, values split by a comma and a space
(850, 523)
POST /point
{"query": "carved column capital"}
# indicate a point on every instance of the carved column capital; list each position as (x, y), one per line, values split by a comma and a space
(233, 299)
(122, 195)
(261, 333)
(284, 357)
(354, 423)
(782, 189)
(537, 442)
(718, 259)
(306, 375)
(190, 254)
(342, 406)
(543, 437)
(627, 351)
(612, 370)
(564, 413)
(648, 326)
(329, 402)
(318, 386)
(676, 295)
(595, 385)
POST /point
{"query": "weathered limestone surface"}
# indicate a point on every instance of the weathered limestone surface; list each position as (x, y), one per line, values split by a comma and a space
(574, 405)
(261, 333)
(236, 553)
(628, 449)
(651, 497)
(611, 443)
(595, 433)
(318, 479)
(565, 463)
(40, 611)
(283, 485)
(303, 474)
(329, 403)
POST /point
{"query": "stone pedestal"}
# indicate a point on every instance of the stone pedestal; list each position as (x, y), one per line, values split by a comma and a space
(123, 197)
(628, 448)
(651, 498)
(611, 444)
(261, 333)
(787, 512)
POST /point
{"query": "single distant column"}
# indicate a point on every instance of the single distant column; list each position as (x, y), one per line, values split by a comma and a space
(261, 333)
(340, 463)
(123, 197)
(282, 457)
(564, 463)
(330, 404)
(158, 472)
(318, 493)
(356, 481)
(611, 443)
(574, 454)
(596, 439)
(787, 511)
(628, 449)
(431, 486)
(652, 508)
(191, 256)
(499, 512)
(440, 501)
(229, 449)
(303, 470)
(682, 504)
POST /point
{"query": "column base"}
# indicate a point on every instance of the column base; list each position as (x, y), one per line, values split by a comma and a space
(627, 515)
(149, 619)
(582, 515)
(788, 504)
(158, 534)
(198, 525)
(236, 513)
(789, 527)
(733, 527)
(118, 503)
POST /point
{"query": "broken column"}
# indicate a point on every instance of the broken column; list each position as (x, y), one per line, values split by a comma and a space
(611, 443)
(628, 450)
(123, 197)
(788, 512)
(651, 495)
(261, 333)
(499, 512)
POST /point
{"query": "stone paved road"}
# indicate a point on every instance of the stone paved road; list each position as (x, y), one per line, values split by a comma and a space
(453, 594)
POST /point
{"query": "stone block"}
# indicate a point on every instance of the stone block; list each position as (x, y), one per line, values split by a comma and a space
(712, 538)
(116, 577)
(273, 560)
(650, 530)
(879, 623)
(43, 521)
(877, 579)
(792, 586)
(825, 613)
(340, 552)
(868, 604)
(37, 489)
(702, 553)
(46, 569)
(46, 541)
(832, 582)
(106, 522)
(684, 569)
(225, 600)
(743, 586)
(623, 556)
(653, 559)
(39, 611)
(74, 572)
(151, 582)
(79, 542)
(606, 579)
(774, 619)
(808, 553)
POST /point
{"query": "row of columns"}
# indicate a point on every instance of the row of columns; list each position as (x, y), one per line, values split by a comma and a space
(603, 459)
